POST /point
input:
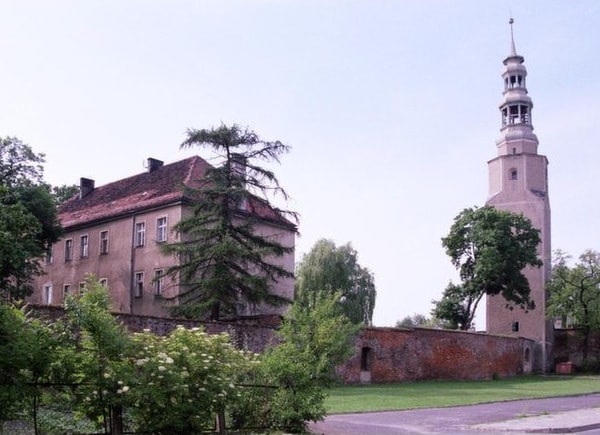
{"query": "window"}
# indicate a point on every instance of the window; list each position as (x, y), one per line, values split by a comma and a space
(81, 288)
(66, 290)
(84, 246)
(103, 282)
(138, 285)
(140, 234)
(515, 326)
(161, 229)
(513, 174)
(158, 282)
(103, 242)
(49, 254)
(68, 249)
(48, 294)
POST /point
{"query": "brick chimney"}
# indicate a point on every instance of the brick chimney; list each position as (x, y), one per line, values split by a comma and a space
(154, 164)
(86, 186)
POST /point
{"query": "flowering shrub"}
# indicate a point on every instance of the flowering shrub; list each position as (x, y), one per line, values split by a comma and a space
(183, 380)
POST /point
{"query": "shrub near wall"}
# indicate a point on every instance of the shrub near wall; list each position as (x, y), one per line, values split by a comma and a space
(393, 355)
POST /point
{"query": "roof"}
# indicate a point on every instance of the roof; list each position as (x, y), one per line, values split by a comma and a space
(163, 185)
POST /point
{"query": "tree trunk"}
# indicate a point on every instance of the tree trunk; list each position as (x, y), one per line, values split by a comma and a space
(116, 420)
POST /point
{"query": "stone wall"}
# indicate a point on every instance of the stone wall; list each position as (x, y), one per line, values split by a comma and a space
(250, 333)
(398, 354)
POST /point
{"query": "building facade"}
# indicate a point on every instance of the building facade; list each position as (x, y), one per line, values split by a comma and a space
(518, 182)
(115, 232)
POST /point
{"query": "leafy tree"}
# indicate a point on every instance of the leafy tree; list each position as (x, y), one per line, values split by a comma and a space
(328, 269)
(456, 308)
(19, 164)
(26, 345)
(225, 261)
(64, 192)
(101, 360)
(314, 340)
(28, 218)
(490, 248)
(420, 321)
(575, 293)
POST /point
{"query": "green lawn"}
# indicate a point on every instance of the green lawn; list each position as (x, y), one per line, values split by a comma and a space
(431, 394)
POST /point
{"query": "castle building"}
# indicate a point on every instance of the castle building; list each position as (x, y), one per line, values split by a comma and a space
(518, 182)
(115, 232)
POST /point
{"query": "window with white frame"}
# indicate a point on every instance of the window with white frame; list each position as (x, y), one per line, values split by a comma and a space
(158, 282)
(138, 285)
(140, 234)
(103, 282)
(84, 246)
(103, 242)
(48, 294)
(69, 250)
(161, 229)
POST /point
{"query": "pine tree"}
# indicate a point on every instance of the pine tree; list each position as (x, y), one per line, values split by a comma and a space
(225, 264)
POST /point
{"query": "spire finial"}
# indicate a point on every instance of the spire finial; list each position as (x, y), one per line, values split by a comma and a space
(513, 50)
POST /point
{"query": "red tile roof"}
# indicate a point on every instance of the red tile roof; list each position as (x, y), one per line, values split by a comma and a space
(160, 187)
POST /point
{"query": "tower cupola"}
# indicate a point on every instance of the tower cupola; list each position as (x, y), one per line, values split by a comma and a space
(517, 129)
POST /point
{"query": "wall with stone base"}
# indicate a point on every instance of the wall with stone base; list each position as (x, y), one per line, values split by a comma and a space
(398, 354)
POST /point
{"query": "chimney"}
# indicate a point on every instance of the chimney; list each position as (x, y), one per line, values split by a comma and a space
(154, 164)
(238, 167)
(86, 186)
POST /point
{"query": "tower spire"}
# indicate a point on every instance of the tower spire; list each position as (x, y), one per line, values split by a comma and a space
(513, 50)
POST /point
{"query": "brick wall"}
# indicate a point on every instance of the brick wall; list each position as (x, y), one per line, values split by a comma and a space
(568, 346)
(393, 354)
(381, 354)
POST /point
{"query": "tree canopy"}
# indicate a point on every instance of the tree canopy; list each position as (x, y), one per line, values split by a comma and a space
(490, 248)
(226, 265)
(575, 293)
(28, 217)
(328, 269)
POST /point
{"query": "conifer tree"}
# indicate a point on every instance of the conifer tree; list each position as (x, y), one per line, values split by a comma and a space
(225, 264)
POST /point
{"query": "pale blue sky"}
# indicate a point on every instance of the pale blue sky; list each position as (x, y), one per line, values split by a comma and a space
(391, 108)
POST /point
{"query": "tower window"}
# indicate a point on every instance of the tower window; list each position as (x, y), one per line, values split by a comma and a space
(515, 326)
(513, 174)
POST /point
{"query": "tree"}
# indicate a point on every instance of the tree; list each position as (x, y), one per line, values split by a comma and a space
(224, 260)
(28, 218)
(19, 165)
(64, 192)
(575, 293)
(490, 248)
(456, 308)
(328, 269)
(312, 342)
(421, 321)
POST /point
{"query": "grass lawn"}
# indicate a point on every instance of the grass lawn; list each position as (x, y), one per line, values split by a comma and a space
(433, 394)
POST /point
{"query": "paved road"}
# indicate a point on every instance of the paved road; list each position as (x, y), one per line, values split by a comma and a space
(554, 415)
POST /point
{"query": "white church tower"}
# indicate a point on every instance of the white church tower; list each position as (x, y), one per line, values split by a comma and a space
(518, 182)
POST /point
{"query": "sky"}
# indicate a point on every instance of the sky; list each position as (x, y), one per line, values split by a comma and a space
(390, 107)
